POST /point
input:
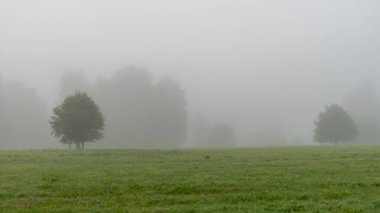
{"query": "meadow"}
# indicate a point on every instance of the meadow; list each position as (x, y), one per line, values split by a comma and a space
(283, 179)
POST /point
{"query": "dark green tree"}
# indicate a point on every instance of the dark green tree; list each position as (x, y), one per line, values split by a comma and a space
(77, 120)
(335, 125)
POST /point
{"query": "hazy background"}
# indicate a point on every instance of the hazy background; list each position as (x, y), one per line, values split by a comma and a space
(261, 66)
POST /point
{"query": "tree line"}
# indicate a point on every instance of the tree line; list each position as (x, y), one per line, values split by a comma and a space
(137, 111)
(23, 117)
(140, 112)
(358, 120)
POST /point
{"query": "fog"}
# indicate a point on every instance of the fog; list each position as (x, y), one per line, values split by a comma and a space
(261, 69)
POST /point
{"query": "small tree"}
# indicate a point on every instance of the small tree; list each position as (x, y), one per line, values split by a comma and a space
(77, 120)
(335, 125)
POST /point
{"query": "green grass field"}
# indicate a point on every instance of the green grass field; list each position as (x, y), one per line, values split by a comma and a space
(296, 179)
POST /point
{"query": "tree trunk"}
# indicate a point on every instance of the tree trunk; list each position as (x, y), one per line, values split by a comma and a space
(77, 146)
(69, 146)
(82, 145)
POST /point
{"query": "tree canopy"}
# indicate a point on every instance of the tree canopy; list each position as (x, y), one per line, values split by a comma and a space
(335, 125)
(77, 120)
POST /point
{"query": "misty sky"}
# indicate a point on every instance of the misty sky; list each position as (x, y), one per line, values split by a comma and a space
(249, 62)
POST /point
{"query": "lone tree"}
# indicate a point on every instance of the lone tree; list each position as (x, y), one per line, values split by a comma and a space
(335, 125)
(77, 120)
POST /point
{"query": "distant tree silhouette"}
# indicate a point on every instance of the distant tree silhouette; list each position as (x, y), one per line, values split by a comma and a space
(126, 100)
(199, 130)
(23, 116)
(170, 116)
(222, 135)
(77, 120)
(141, 113)
(72, 81)
(335, 125)
(269, 136)
(204, 133)
(363, 104)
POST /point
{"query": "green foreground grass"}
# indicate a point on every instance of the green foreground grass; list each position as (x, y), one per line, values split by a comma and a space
(297, 179)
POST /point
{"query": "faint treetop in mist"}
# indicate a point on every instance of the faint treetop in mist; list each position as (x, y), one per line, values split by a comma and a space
(269, 136)
(205, 134)
(71, 82)
(170, 115)
(222, 135)
(199, 129)
(23, 117)
(363, 104)
(140, 113)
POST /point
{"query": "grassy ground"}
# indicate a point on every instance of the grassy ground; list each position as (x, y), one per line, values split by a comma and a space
(298, 179)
